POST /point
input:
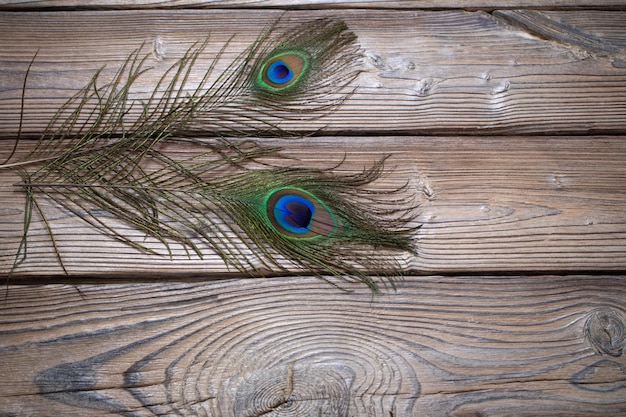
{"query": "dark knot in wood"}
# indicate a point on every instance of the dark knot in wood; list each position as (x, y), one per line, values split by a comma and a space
(293, 391)
(604, 330)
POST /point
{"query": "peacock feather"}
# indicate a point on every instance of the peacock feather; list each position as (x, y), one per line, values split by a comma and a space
(105, 153)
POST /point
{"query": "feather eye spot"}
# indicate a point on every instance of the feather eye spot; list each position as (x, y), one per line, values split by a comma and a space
(282, 71)
(278, 72)
(296, 213)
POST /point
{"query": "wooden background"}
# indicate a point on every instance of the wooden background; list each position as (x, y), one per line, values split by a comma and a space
(508, 118)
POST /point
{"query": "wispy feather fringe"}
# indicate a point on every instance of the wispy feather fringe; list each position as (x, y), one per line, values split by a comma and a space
(231, 196)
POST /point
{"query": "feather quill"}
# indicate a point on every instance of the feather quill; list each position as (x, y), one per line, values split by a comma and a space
(229, 195)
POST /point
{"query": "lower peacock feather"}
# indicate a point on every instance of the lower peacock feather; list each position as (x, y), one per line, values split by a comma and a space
(245, 201)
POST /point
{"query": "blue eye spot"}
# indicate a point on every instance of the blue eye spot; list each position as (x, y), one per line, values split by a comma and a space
(278, 72)
(294, 213)
(299, 215)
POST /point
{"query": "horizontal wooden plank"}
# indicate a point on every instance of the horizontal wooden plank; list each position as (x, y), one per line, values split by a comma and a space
(310, 4)
(522, 346)
(499, 204)
(432, 72)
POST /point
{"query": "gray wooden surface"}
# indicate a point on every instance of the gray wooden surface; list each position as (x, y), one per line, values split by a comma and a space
(508, 125)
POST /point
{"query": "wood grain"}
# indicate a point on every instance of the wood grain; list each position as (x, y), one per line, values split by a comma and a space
(493, 346)
(431, 72)
(496, 204)
(517, 305)
(311, 4)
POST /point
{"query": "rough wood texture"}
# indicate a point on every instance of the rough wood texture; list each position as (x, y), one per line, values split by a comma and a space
(496, 328)
(311, 4)
(492, 204)
(518, 346)
(419, 67)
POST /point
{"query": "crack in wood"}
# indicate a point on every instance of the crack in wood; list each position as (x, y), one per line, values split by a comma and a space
(543, 26)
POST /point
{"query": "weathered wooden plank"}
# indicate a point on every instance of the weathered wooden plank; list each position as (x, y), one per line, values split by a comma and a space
(311, 4)
(499, 204)
(522, 346)
(430, 72)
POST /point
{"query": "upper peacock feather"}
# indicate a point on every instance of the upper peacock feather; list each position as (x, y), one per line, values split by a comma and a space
(230, 195)
(306, 67)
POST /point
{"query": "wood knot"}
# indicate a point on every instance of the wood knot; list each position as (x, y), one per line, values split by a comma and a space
(293, 391)
(158, 49)
(377, 61)
(604, 329)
